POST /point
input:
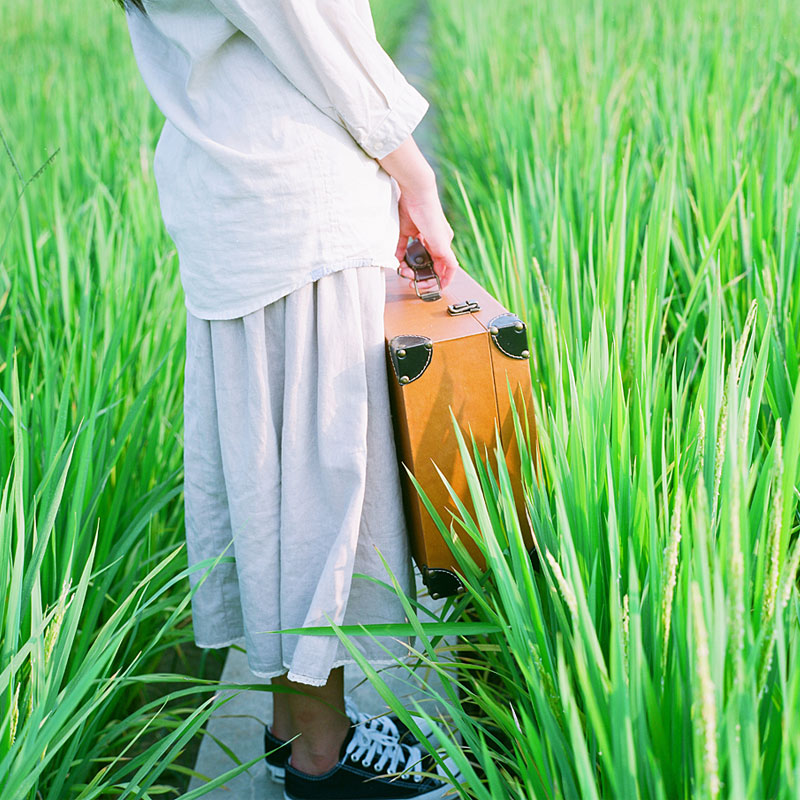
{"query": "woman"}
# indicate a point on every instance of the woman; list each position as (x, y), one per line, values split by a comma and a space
(288, 179)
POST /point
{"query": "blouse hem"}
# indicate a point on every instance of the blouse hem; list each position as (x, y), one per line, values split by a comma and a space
(264, 300)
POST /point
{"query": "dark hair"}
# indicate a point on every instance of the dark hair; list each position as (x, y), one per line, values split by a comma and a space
(127, 4)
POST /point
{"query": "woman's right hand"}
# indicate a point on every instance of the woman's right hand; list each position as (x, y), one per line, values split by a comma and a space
(424, 219)
(421, 213)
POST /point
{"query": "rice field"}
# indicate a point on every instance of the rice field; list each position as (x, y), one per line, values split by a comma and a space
(625, 177)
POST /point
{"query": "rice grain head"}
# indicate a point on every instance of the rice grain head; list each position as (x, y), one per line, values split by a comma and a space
(772, 577)
(566, 589)
(774, 536)
(719, 455)
(54, 627)
(705, 701)
(14, 714)
(736, 591)
(553, 697)
(670, 574)
(790, 578)
(741, 344)
(701, 439)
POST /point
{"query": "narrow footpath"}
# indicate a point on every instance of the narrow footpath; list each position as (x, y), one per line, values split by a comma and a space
(239, 724)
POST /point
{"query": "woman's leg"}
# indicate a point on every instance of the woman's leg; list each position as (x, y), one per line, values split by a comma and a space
(319, 717)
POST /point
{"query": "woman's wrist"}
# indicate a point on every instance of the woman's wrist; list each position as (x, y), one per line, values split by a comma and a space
(411, 170)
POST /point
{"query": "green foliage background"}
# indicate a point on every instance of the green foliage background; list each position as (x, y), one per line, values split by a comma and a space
(624, 176)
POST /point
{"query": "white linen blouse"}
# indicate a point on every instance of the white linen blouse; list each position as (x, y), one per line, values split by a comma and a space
(275, 113)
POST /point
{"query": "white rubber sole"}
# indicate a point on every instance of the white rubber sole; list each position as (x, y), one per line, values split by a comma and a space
(277, 774)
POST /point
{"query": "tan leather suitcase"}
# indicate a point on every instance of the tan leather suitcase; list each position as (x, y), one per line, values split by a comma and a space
(455, 351)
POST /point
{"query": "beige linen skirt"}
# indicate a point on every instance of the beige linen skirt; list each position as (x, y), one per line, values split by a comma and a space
(290, 464)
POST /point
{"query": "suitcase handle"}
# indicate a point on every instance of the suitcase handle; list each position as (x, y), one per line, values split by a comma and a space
(420, 261)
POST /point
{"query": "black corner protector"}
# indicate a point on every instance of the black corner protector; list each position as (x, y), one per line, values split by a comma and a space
(410, 356)
(441, 582)
(510, 335)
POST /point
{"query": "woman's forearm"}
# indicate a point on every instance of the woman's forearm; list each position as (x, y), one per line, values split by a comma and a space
(410, 168)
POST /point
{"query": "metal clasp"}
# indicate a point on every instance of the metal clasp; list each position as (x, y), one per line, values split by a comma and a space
(430, 294)
(465, 307)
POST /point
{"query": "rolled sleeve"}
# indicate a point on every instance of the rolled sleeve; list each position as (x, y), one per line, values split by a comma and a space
(396, 126)
(330, 53)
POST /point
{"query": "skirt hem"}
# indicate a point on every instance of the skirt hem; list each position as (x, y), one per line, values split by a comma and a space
(296, 676)
(345, 662)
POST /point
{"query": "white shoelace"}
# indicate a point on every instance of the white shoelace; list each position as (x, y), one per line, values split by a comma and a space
(392, 757)
(383, 725)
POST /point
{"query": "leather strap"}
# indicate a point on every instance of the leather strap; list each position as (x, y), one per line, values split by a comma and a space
(418, 258)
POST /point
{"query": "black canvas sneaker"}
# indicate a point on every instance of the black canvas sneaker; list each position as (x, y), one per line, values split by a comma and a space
(278, 750)
(371, 767)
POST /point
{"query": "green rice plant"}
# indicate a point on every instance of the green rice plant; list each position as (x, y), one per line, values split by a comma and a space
(624, 176)
(62, 679)
(655, 651)
(90, 419)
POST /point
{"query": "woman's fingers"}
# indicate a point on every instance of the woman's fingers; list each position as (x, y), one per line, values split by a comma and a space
(445, 262)
(422, 217)
(408, 229)
(400, 250)
(437, 236)
(446, 266)
(406, 271)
